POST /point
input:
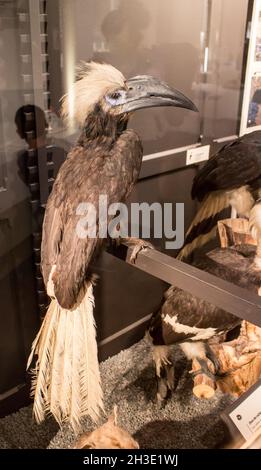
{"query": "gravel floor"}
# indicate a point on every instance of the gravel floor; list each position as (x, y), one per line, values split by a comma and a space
(128, 380)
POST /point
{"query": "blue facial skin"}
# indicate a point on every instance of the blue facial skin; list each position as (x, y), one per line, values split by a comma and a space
(116, 98)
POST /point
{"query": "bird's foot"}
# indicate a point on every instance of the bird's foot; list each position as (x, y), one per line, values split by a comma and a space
(163, 395)
(139, 245)
(204, 370)
(213, 358)
(165, 384)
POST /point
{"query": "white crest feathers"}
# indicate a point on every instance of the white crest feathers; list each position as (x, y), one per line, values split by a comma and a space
(94, 80)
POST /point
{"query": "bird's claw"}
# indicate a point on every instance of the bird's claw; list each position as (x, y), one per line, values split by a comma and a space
(139, 245)
(165, 384)
(204, 370)
(164, 393)
(213, 358)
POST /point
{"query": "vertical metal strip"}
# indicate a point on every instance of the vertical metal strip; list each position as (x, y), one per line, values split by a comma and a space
(68, 56)
(208, 10)
(36, 44)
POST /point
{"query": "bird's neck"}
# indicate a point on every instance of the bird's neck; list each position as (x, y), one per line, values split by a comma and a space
(103, 127)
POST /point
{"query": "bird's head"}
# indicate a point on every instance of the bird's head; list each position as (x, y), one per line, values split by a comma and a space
(104, 86)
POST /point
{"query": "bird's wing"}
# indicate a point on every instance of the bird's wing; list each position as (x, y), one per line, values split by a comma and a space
(86, 175)
(51, 237)
(233, 166)
(184, 317)
(53, 223)
(204, 225)
(237, 164)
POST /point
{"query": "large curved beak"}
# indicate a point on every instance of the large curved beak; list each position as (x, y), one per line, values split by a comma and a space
(145, 91)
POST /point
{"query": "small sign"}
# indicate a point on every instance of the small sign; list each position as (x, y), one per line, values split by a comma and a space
(197, 154)
(243, 417)
(247, 415)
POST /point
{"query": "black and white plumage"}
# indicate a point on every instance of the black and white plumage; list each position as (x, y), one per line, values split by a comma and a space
(232, 177)
(105, 161)
(190, 321)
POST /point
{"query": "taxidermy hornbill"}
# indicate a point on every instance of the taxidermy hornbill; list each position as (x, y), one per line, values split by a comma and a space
(190, 321)
(232, 177)
(106, 160)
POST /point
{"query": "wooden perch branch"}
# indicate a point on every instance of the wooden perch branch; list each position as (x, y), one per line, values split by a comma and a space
(204, 385)
(240, 359)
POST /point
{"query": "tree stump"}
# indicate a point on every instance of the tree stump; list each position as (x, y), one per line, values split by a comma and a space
(234, 232)
(240, 359)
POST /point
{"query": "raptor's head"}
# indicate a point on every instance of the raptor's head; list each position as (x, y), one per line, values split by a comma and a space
(104, 85)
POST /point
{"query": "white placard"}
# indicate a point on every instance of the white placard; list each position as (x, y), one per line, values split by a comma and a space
(197, 154)
(247, 415)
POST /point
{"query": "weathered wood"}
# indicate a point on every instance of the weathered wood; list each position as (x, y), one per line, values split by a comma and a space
(204, 385)
(240, 359)
(234, 232)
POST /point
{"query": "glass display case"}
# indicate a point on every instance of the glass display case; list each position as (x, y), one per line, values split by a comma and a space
(196, 46)
(192, 46)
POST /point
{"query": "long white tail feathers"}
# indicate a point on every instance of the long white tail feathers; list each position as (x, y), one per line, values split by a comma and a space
(66, 379)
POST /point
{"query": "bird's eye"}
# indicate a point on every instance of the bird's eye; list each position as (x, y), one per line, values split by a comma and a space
(115, 96)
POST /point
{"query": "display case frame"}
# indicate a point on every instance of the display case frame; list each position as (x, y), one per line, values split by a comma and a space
(251, 104)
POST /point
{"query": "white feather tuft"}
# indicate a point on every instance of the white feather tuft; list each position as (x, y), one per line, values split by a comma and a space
(255, 220)
(241, 200)
(94, 81)
(255, 230)
(66, 377)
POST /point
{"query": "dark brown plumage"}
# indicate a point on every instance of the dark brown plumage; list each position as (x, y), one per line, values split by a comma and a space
(232, 177)
(190, 321)
(234, 165)
(108, 166)
(105, 162)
